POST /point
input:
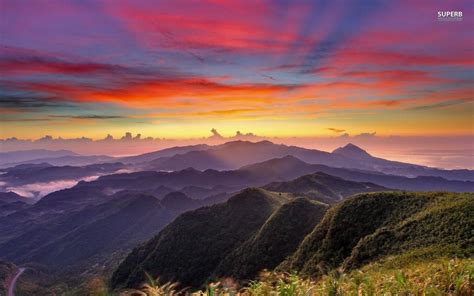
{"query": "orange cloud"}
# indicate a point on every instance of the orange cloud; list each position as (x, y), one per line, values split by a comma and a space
(156, 92)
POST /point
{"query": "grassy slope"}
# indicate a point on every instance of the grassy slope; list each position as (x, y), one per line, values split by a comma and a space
(370, 226)
(443, 276)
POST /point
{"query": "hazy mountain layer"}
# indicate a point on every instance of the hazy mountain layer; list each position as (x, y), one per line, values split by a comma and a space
(29, 155)
(82, 224)
(145, 157)
(233, 155)
(290, 167)
(38, 173)
(260, 174)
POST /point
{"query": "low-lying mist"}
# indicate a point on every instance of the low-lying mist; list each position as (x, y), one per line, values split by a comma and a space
(38, 190)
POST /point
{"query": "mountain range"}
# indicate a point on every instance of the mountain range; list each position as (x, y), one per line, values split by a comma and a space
(200, 184)
(199, 213)
(45, 172)
(169, 152)
(52, 157)
(52, 230)
(258, 229)
(209, 234)
(260, 174)
(233, 155)
(30, 155)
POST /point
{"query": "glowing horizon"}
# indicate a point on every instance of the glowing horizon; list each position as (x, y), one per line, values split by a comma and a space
(276, 69)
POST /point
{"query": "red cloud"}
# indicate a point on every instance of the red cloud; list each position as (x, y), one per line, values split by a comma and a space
(40, 65)
(391, 58)
(222, 25)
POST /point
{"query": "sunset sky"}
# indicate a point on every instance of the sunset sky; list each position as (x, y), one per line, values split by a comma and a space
(177, 69)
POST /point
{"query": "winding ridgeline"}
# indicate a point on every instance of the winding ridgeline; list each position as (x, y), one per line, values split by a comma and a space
(198, 244)
(259, 229)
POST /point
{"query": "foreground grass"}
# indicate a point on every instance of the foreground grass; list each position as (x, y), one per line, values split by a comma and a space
(438, 277)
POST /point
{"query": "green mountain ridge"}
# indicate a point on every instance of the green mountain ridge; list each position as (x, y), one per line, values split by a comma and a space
(192, 246)
(370, 226)
(275, 240)
(259, 229)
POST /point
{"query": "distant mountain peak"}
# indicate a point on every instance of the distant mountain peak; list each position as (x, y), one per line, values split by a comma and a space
(282, 162)
(353, 151)
(265, 142)
(245, 142)
(190, 170)
(284, 159)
